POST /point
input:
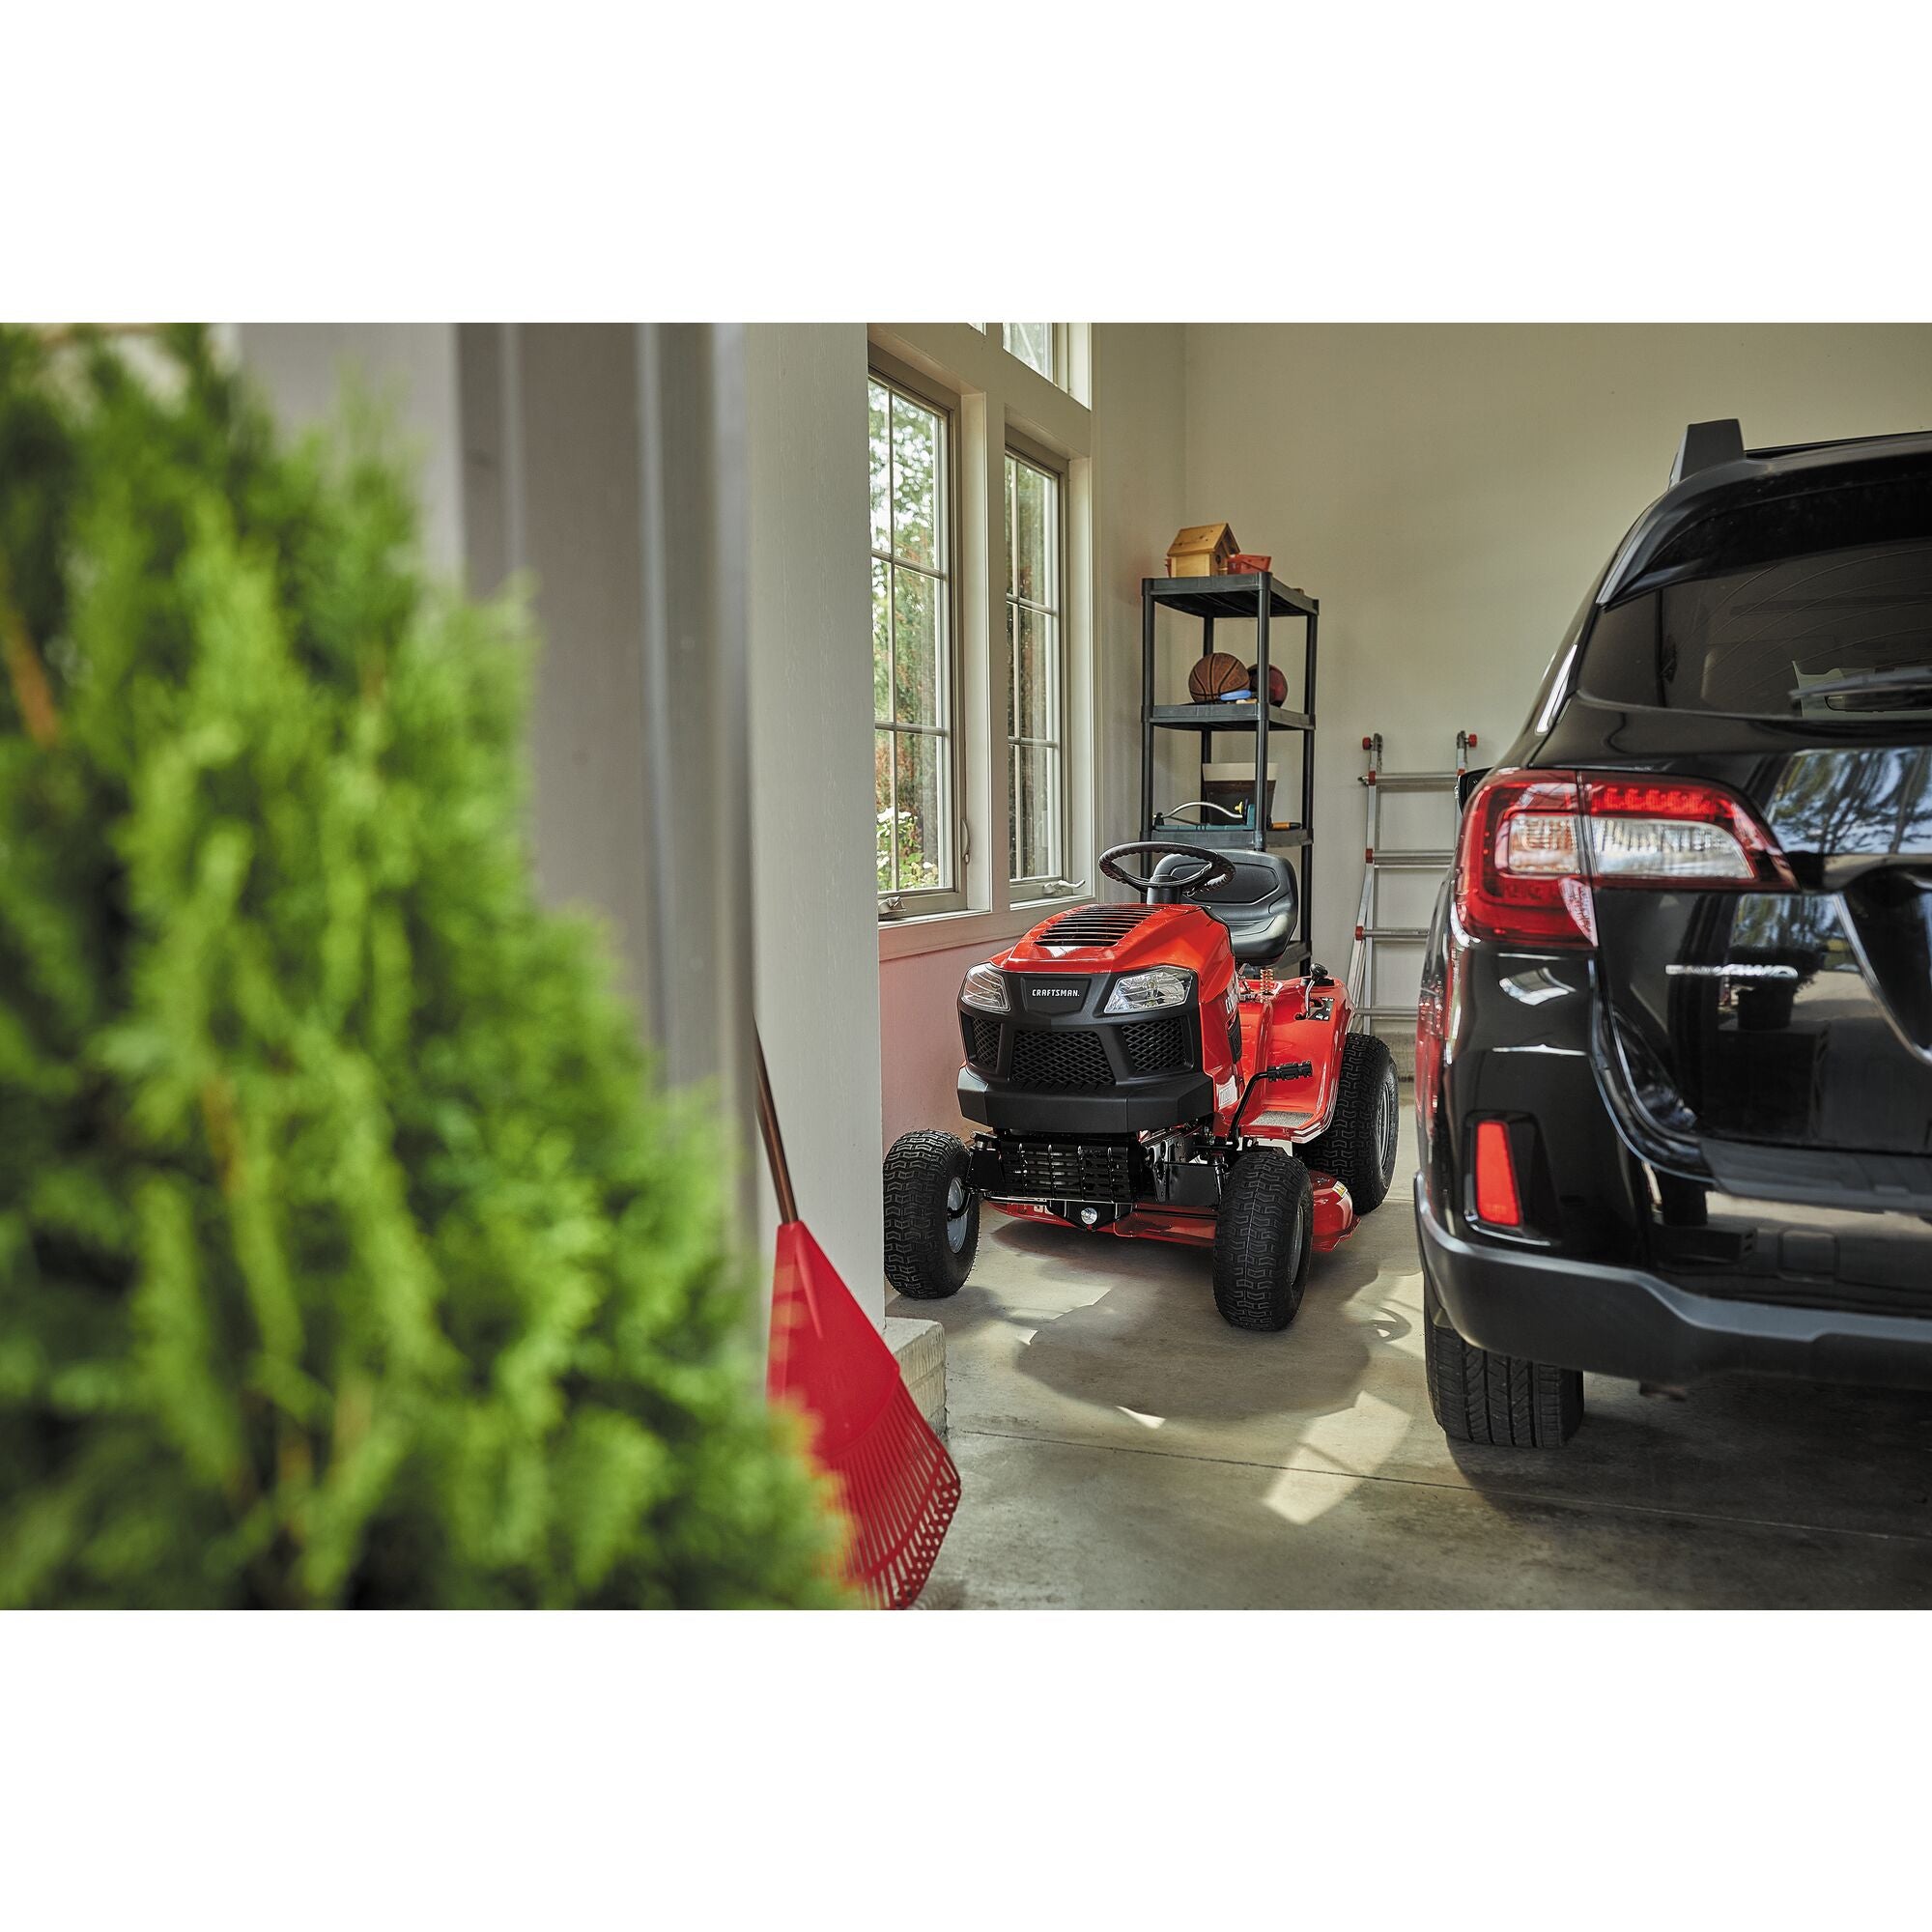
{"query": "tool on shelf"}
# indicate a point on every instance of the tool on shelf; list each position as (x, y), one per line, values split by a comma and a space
(1364, 1000)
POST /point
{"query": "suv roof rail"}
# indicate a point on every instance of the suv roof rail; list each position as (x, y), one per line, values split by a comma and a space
(1706, 445)
(1830, 442)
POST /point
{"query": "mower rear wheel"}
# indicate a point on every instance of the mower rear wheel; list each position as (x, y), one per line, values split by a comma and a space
(932, 1216)
(1360, 1148)
(1263, 1238)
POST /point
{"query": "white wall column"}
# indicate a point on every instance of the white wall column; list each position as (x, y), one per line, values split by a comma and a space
(809, 695)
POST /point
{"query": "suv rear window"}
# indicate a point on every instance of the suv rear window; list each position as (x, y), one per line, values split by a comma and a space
(1838, 634)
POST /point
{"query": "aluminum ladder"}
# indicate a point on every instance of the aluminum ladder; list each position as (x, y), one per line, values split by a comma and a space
(1364, 1006)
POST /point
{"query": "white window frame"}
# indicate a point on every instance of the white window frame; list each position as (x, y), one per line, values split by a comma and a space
(951, 894)
(1066, 346)
(1031, 887)
(999, 402)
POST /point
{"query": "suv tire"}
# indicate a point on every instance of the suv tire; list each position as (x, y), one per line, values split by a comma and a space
(1505, 1401)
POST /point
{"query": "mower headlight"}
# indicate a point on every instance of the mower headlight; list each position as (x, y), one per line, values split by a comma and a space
(985, 988)
(1143, 992)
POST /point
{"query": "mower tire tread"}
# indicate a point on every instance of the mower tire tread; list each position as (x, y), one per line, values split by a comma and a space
(920, 1263)
(1263, 1239)
(1349, 1150)
(1504, 1402)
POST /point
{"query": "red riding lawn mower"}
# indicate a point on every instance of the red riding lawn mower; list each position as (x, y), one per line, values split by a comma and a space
(1141, 1072)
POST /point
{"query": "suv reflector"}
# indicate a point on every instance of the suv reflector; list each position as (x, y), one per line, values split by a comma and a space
(1497, 1199)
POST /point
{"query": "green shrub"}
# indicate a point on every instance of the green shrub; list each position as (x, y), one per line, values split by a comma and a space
(346, 1256)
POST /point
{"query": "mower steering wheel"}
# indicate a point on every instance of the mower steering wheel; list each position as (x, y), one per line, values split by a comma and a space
(1214, 870)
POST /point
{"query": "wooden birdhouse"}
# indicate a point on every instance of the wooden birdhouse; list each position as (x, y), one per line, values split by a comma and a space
(1201, 549)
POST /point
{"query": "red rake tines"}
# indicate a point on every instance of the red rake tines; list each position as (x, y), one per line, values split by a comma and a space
(897, 1485)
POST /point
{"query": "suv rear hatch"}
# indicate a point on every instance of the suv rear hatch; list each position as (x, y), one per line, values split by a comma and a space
(1784, 1002)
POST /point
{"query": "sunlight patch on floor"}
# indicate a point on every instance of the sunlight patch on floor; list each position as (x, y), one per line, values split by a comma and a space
(1354, 1442)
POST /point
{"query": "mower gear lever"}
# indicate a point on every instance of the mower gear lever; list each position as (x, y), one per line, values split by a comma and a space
(1289, 1070)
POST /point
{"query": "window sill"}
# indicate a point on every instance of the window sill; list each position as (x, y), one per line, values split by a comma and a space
(948, 932)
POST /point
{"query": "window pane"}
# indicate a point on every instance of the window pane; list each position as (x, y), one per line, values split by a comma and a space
(1033, 801)
(879, 425)
(1032, 343)
(912, 642)
(882, 788)
(1033, 772)
(916, 456)
(882, 641)
(920, 767)
(1031, 512)
(1032, 698)
(918, 651)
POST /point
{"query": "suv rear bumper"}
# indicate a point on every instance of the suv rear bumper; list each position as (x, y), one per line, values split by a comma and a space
(1629, 1323)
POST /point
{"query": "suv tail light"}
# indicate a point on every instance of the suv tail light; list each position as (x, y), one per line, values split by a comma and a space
(1534, 844)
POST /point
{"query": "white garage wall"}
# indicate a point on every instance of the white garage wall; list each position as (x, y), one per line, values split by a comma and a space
(1449, 493)
(1139, 503)
(816, 905)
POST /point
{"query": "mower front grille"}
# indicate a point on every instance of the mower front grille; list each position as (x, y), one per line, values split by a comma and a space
(1157, 1046)
(982, 1041)
(1095, 926)
(1065, 1171)
(1066, 1057)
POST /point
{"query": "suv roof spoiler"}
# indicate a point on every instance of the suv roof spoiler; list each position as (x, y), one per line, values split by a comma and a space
(1707, 444)
(1713, 474)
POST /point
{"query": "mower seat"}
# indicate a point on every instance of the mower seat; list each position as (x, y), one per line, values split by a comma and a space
(1258, 905)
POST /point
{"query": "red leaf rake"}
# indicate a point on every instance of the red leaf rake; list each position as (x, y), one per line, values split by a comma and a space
(898, 1487)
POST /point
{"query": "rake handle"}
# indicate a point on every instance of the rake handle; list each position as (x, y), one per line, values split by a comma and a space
(768, 1130)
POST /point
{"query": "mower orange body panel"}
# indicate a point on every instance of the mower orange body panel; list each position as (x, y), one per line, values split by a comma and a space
(1275, 1021)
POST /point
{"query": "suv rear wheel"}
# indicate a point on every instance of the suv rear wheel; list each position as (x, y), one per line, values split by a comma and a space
(1263, 1238)
(1506, 1401)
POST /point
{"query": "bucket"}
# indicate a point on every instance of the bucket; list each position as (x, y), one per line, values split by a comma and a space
(1232, 784)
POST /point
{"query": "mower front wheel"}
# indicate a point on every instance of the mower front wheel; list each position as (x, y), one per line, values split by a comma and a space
(932, 1216)
(1263, 1238)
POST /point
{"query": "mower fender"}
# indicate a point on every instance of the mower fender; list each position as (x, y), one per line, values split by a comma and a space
(1299, 1109)
(1334, 1213)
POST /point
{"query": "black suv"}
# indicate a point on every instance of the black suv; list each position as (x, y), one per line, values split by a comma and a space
(1675, 1057)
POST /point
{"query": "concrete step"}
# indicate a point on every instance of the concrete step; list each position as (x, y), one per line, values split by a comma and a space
(919, 1346)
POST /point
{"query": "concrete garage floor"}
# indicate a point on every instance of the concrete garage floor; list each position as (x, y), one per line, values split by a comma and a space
(1121, 1448)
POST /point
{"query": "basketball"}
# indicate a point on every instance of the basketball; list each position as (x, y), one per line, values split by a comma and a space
(1277, 684)
(1213, 675)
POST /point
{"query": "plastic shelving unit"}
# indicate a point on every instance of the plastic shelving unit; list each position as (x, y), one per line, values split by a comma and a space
(1258, 598)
